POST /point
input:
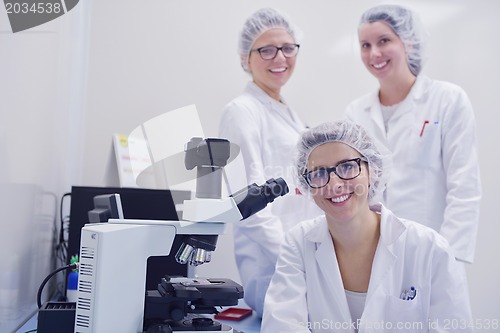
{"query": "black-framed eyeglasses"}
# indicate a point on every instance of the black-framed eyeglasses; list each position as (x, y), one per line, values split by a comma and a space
(270, 52)
(345, 170)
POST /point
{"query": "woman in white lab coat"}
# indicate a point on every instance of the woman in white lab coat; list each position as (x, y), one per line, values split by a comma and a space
(359, 267)
(266, 129)
(428, 125)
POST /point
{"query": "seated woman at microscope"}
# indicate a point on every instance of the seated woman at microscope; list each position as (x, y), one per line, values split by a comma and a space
(359, 267)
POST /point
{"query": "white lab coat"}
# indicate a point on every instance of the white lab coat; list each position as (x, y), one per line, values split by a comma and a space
(435, 176)
(267, 132)
(306, 293)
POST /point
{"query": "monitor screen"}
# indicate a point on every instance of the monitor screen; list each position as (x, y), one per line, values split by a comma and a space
(106, 206)
(136, 204)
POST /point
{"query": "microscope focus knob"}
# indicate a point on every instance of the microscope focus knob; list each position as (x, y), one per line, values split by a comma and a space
(159, 328)
(177, 314)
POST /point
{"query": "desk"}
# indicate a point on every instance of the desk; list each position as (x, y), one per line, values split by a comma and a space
(29, 326)
(250, 324)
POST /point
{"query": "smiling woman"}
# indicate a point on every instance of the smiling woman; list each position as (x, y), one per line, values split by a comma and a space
(421, 121)
(266, 129)
(358, 265)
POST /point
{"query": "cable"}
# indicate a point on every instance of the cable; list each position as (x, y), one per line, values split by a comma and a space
(61, 249)
(61, 235)
(40, 290)
(33, 330)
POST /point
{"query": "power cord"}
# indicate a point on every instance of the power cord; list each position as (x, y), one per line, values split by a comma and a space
(40, 290)
(61, 252)
(62, 246)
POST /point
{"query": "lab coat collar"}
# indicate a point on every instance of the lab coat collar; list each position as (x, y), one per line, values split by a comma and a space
(371, 104)
(391, 227)
(263, 97)
(418, 91)
(320, 233)
(282, 109)
(371, 108)
(420, 88)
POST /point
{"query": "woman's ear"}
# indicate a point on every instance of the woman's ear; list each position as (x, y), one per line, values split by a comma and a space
(245, 62)
(408, 47)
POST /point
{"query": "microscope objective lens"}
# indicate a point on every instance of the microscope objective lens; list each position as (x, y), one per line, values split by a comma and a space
(184, 253)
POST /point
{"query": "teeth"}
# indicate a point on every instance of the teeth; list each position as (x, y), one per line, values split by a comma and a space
(378, 66)
(340, 199)
(278, 70)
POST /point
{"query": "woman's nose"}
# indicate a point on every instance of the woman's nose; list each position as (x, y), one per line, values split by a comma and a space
(279, 56)
(375, 52)
(335, 181)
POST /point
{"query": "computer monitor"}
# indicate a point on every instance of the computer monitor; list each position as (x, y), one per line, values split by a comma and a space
(106, 206)
(136, 204)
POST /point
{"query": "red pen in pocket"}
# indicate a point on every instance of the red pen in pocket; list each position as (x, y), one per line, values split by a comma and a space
(423, 127)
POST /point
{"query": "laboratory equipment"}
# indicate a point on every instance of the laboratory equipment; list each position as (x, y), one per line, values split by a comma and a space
(139, 204)
(106, 206)
(111, 289)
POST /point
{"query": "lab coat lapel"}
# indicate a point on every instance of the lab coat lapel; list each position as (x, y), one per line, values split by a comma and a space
(401, 126)
(375, 113)
(404, 123)
(382, 265)
(327, 261)
(384, 260)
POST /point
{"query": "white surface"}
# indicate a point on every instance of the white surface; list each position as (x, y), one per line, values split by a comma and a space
(108, 249)
(63, 95)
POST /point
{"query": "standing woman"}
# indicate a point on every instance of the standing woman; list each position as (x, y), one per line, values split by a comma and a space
(428, 125)
(266, 130)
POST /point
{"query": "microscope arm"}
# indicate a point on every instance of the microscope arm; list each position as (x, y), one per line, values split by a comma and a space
(181, 227)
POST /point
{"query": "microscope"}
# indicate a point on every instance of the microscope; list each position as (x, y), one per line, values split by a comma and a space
(113, 256)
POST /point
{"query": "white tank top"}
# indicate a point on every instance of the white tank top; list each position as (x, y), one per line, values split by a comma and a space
(356, 302)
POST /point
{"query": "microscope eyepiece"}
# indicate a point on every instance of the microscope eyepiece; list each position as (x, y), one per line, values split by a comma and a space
(254, 198)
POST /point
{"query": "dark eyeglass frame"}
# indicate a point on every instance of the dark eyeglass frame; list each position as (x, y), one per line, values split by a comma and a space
(296, 49)
(358, 160)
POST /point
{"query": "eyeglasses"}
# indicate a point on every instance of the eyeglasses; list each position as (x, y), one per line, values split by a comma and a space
(345, 170)
(270, 52)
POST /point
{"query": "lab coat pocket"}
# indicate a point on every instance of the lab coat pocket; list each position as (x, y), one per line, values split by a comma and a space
(405, 315)
(426, 145)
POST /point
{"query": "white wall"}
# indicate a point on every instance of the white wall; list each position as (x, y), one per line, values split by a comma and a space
(41, 91)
